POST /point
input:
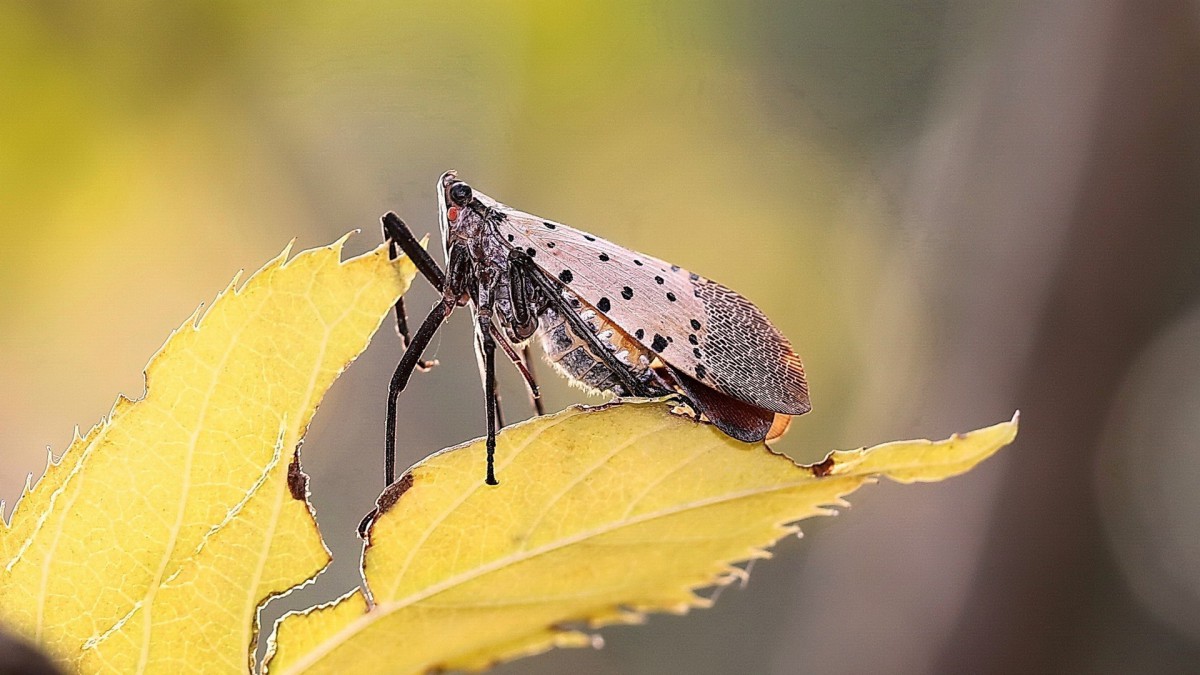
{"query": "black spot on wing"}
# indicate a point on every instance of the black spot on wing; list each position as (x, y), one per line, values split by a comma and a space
(604, 305)
(660, 281)
(603, 257)
(695, 325)
(659, 344)
(627, 293)
(549, 226)
(639, 333)
(670, 296)
(531, 252)
(566, 277)
(701, 372)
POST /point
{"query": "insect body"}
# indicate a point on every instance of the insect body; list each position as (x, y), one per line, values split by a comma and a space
(608, 318)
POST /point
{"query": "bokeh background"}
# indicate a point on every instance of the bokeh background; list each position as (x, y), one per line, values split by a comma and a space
(954, 209)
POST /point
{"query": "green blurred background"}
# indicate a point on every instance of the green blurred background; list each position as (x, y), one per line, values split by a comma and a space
(952, 209)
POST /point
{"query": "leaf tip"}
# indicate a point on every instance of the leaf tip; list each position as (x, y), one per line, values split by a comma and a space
(230, 288)
(341, 241)
(119, 406)
(733, 574)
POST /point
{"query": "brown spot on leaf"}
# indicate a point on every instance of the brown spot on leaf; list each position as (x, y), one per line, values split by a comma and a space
(297, 480)
(823, 468)
(393, 493)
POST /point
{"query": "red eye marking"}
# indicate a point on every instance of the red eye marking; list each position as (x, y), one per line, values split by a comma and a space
(452, 213)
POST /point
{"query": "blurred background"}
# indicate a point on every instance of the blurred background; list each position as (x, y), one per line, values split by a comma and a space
(953, 209)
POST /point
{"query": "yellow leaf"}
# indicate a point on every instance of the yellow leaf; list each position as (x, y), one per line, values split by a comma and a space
(601, 515)
(151, 545)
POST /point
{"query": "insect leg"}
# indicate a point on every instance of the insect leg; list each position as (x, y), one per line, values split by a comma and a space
(408, 363)
(400, 238)
(499, 408)
(521, 363)
(489, 379)
(397, 233)
(527, 303)
(531, 380)
(483, 372)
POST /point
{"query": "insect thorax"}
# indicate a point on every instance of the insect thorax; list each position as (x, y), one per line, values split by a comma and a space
(576, 357)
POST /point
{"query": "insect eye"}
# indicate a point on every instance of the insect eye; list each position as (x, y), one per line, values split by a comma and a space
(460, 193)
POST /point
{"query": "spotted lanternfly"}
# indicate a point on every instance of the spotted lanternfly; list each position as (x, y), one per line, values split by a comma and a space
(608, 318)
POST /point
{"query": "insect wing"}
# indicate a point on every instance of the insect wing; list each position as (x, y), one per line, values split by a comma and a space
(711, 333)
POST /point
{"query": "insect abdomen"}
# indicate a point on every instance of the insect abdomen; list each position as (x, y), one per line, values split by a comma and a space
(575, 357)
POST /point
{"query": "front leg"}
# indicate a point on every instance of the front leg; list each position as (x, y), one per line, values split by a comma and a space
(398, 234)
(408, 363)
(400, 238)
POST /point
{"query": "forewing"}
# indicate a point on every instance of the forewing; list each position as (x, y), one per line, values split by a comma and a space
(694, 324)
